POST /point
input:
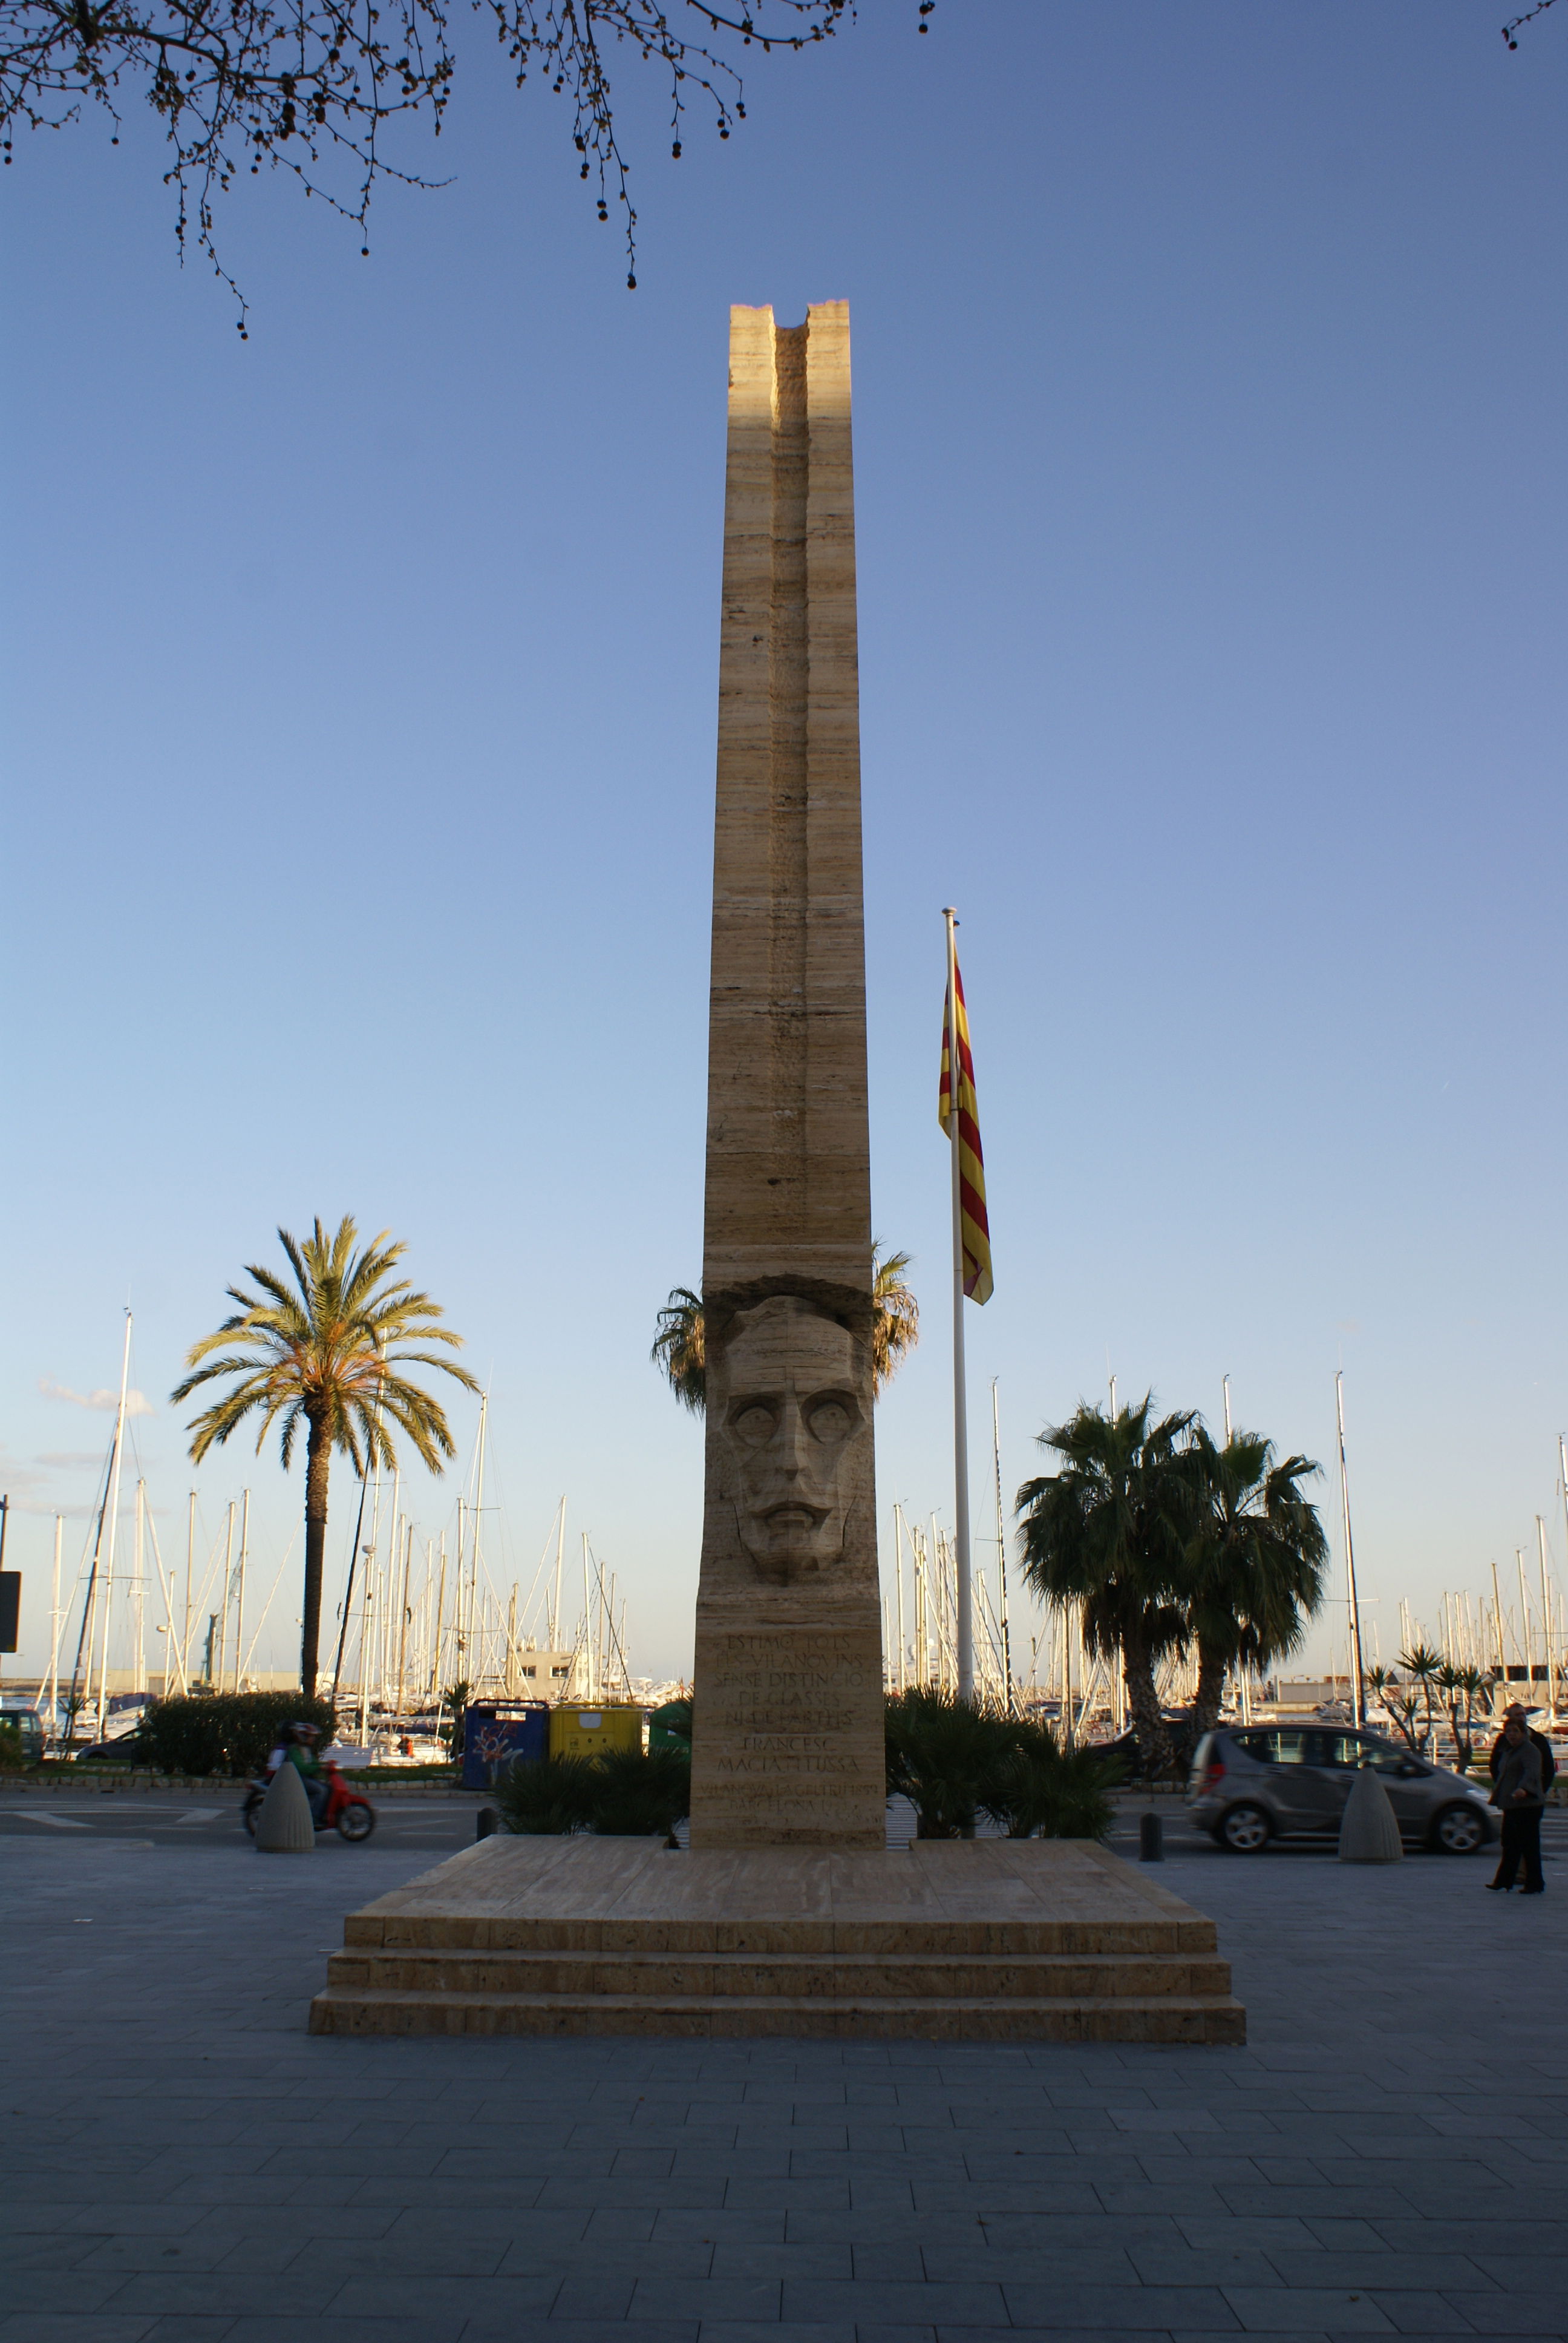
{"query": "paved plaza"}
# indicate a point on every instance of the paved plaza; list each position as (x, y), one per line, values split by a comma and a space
(1386, 2156)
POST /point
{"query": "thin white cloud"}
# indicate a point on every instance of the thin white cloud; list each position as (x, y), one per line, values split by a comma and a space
(107, 1401)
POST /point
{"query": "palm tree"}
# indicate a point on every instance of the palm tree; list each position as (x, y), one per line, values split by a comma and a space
(681, 1346)
(895, 1317)
(324, 1356)
(1461, 1687)
(1421, 1666)
(1108, 1531)
(1402, 1704)
(1380, 1684)
(1256, 1554)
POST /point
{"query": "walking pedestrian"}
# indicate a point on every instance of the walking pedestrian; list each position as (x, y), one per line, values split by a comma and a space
(1518, 1793)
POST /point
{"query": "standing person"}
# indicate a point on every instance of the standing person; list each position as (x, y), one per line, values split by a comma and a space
(1518, 1793)
(1548, 1760)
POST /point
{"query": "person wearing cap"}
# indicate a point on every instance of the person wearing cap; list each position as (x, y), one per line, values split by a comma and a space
(1518, 1793)
(1516, 1709)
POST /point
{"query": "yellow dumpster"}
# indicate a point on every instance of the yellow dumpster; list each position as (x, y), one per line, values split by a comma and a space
(583, 1732)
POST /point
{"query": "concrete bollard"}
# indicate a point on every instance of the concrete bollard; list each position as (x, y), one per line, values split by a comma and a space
(487, 1822)
(1368, 1831)
(284, 1826)
(1150, 1838)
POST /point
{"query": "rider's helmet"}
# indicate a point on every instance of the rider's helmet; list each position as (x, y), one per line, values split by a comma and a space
(303, 1730)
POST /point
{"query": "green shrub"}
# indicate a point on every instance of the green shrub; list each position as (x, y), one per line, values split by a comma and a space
(1043, 1791)
(546, 1797)
(955, 1760)
(943, 1756)
(618, 1793)
(11, 1758)
(227, 1732)
(638, 1792)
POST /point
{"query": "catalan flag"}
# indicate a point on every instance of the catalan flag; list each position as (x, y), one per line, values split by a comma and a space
(975, 1226)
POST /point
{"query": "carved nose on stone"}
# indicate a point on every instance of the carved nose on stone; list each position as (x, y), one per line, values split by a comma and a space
(793, 1445)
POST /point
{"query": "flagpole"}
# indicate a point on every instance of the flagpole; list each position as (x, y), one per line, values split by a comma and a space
(966, 1653)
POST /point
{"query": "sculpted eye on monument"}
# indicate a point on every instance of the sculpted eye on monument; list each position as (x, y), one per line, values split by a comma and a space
(832, 1420)
(753, 1425)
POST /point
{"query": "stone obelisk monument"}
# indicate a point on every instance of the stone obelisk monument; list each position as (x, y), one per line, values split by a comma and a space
(789, 1915)
(788, 1741)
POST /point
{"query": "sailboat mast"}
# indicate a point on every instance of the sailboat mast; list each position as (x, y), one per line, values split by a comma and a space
(1546, 1623)
(190, 1567)
(114, 1523)
(555, 1636)
(54, 1628)
(138, 1624)
(899, 1577)
(587, 1633)
(1002, 1550)
(239, 1610)
(435, 1631)
(1357, 1695)
(221, 1661)
(478, 1519)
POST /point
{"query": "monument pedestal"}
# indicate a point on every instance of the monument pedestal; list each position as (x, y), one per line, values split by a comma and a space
(985, 1940)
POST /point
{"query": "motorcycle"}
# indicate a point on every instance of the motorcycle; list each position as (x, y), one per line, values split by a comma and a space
(348, 1812)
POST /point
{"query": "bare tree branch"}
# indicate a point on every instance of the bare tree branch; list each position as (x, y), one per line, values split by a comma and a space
(311, 85)
(1514, 22)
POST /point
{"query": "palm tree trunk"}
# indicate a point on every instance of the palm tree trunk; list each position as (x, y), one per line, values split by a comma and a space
(317, 1462)
(1154, 1741)
(1211, 1666)
(1461, 1747)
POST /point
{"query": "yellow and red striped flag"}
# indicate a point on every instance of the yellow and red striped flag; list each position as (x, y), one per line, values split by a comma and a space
(971, 1163)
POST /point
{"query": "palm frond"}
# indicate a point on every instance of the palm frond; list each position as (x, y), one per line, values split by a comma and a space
(327, 1355)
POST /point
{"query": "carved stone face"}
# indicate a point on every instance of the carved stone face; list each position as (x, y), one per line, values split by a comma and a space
(793, 1425)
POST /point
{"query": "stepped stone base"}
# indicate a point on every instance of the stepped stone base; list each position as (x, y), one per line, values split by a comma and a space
(990, 1939)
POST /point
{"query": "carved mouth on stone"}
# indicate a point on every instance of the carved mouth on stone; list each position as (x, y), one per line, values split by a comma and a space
(795, 1520)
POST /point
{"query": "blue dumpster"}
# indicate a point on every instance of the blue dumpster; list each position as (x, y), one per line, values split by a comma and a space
(497, 1731)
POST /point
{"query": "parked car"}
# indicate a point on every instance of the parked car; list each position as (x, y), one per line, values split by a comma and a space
(29, 1730)
(1251, 1784)
(125, 1749)
(1126, 1751)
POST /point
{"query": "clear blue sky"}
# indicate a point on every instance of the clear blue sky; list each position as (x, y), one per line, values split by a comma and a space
(1210, 393)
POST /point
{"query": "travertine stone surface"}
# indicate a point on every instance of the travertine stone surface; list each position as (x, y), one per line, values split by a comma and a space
(988, 1940)
(788, 1746)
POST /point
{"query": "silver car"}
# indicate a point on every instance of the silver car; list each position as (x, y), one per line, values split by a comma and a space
(1254, 1782)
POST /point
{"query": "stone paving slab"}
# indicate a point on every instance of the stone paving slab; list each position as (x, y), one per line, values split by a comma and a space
(188, 2166)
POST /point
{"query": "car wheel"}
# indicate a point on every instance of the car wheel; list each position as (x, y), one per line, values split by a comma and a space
(1244, 1830)
(356, 1823)
(1458, 1830)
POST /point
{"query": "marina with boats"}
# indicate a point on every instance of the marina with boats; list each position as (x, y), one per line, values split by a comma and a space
(428, 1619)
